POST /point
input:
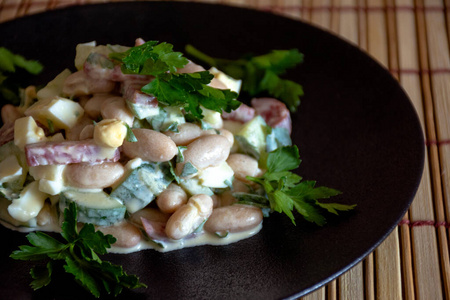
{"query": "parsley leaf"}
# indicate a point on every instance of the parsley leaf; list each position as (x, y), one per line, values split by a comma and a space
(286, 191)
(261, 73)
(187, 90)
(190, 91)
(150, 58)
(80, 255)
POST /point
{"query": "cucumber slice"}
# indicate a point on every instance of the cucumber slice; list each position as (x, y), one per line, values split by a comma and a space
(192, 186)
(142, 185)
(142, 111)
(252, 137)
(168, 119)
(277, 138)
(94, 207)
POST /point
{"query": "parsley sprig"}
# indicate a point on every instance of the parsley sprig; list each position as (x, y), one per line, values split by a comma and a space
(13, 71)
(190, 90)
(286, 191)
(150, 58)
(187, 90)
(81, 256)
(261, 74)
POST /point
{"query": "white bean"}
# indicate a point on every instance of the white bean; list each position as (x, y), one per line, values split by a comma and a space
(150, 146)
(171, 198)
(227, 198)
(216, 83)
(79, 84)
(10, 113)
(93, 105)
(46, 215)
(234, 218)
(89, 176)
(116, 108)
(243, 166)
(189, 216)
(73, 134)
(206, 151)
(222, 132)
(187, 133)
(127, 234)
(87, 132)
(191, 67)
(149, 213)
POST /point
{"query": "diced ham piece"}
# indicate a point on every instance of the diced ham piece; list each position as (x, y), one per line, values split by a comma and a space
(67, 152)
(98, 66)
(191, 67)
(79, 84)
(139, 42)
(243, 114)
(274, 112)
(131, 90)
(155, 230)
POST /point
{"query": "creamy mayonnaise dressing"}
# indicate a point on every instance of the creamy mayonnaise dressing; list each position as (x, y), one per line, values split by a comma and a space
(198, 239)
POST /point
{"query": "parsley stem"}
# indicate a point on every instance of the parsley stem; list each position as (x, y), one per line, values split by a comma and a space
(200, 55)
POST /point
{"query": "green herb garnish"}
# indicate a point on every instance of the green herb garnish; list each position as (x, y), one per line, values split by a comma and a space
(261, 74)
(286, 191)
(11, 74)
(150, 58)
(189, 90)
(130, 137)
(81, 256)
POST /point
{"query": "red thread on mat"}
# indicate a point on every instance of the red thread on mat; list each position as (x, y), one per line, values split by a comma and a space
(420, 72)
(351, 8)
(438, 143)
(424, 223)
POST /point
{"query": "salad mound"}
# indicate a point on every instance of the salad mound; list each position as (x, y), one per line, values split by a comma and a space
(154, 149)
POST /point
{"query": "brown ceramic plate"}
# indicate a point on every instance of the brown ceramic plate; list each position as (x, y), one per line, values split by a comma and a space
(356, 130)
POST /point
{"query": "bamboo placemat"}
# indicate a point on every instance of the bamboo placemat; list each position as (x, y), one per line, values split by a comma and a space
(411, 39)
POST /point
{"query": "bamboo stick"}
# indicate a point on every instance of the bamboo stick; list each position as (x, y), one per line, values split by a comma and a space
(423, 36)
(292, 8)
(332, 290)
(316, 295)
(10, 9)
(351, 283)
(387, 258)
(369, 269)
(320, 16)
(407, 282)
(426, 267)
(348, 21)
(36, 7)
(362, 25)
(335, 17)
(369, 279)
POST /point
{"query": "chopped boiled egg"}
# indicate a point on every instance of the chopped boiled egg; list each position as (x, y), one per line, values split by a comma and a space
(50, 178)
(26, 132)
(212, 118)
(10, 169)
(231, 83)
(54, 87)
(110, 133)
(51, 187)
(219, 176)
(29, 203)
(62, 113)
